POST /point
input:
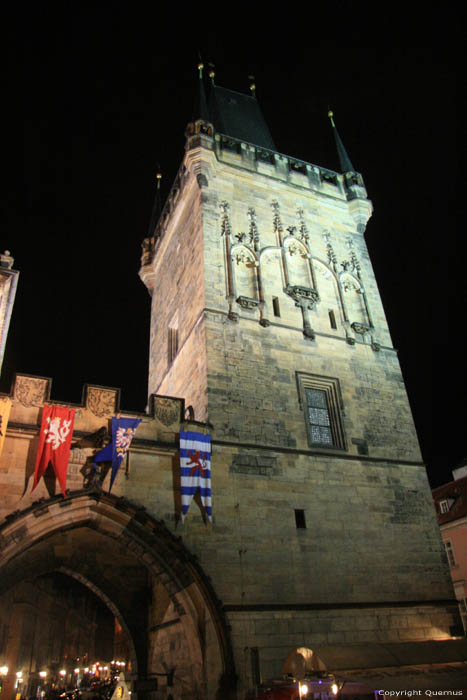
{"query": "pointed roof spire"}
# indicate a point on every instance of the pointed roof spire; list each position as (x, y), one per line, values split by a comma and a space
(157, 206)
(202, 107)
(344, 160)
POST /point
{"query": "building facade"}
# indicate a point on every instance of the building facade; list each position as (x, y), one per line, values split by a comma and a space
(8, 283)
(451, 510)
(268, 333)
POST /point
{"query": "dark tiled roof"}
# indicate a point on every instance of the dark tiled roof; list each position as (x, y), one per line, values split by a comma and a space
(455, 493)
(238, 115)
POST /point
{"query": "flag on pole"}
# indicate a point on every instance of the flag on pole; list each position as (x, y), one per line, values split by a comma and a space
(54, 443)
(123, 430)
(195, 468)
(5, 407)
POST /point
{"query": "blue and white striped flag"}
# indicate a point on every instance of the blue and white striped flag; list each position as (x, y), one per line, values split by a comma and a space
(195, 468)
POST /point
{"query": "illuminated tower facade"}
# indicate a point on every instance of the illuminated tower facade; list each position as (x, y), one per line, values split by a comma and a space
(267, 320)
(8, 284)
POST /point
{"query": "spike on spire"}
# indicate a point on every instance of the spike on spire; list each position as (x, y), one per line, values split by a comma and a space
(212, 73)
(203, 105)
(157, 207)
(251, 78)
(344, 160)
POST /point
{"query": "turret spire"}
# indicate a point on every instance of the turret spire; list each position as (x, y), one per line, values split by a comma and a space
(203, 105)
(344, 160)
(157, 207)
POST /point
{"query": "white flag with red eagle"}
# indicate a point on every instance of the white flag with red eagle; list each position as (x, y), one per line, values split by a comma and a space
(195, 468)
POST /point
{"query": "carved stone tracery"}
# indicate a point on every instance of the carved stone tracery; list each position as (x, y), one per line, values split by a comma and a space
(303, 295)
(248, 303)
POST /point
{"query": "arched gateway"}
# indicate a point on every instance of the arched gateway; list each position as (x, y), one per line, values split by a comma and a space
(174, 624)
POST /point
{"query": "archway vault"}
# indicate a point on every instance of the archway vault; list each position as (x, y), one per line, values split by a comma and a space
(119, 551)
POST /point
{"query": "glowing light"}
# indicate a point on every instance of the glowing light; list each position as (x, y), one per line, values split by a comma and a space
(302, 689)
(3, 670)
(76, 670)
(19, 674)
(335, 688)
(43, 674)
(62, 672)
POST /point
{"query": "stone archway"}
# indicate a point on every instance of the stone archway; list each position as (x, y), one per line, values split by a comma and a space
(153, 585)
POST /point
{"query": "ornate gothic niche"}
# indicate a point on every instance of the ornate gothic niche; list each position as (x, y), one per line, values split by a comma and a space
(355, 303)
(272, 282)
(329, 294)
(297, 260)
(245, 268)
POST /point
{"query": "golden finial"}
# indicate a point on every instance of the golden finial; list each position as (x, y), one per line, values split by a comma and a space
(158, 178)
(200, 68)
(211, 72)
(252, 85)
(330, 115)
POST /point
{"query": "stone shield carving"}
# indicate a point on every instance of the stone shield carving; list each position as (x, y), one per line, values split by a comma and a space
(101, 402)
(31, 391)
(166, 410)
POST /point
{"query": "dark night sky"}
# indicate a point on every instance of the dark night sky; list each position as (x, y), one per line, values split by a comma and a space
(101, 103)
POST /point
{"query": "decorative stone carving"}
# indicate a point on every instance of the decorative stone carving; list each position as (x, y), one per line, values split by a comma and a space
(243, 256)
(303, 231)
(248, 303)
(276, 218)
(101, 402)
(226, 228)
(31, 391)
(360, 328)
(166, 410)
(296, 249)
(332, 259)
(253, 232)
(303, 296)
(349, 285)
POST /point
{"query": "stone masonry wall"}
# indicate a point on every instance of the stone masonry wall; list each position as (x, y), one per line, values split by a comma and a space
(178, 302)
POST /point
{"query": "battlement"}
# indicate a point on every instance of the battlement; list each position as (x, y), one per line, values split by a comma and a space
(254, 159)
(158, 434)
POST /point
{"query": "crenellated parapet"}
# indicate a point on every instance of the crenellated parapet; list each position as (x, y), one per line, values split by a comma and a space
(155, 442)
(202, 140)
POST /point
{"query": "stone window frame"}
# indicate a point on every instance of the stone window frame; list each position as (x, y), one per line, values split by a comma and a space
(335, 406)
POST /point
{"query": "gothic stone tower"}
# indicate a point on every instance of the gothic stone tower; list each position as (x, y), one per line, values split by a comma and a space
(266, 319)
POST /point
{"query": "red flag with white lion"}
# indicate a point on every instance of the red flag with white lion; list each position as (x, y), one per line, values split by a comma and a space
(54, 443)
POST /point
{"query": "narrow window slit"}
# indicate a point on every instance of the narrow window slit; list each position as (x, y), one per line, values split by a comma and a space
(276, 307)
(300, 521)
